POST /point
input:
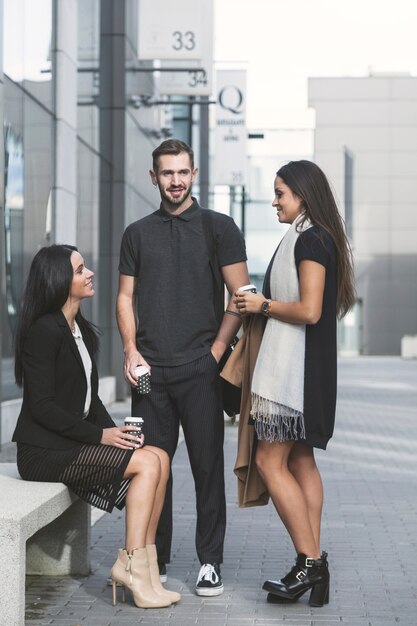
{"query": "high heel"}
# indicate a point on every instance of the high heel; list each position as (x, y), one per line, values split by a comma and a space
(132, 571)
(319, 594)
(172, 596)
(306, 574)
(114, 588)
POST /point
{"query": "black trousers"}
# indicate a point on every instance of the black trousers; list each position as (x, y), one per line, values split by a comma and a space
(189, 394)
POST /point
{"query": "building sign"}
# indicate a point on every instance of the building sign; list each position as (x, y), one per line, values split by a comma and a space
(198, 80)
(230, 144)
(170, 30)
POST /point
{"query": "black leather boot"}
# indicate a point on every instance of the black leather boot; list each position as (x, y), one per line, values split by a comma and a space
(306, 574)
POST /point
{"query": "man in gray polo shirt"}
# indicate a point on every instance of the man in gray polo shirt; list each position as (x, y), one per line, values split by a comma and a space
(167, 275)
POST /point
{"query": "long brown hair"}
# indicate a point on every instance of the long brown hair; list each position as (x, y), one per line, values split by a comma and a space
(309, 183)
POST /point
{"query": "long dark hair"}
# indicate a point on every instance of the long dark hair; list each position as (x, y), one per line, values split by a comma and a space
(47, 289)
(309, 183)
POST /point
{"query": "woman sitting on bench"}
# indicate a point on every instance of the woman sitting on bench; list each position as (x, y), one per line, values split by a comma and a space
(65, 434)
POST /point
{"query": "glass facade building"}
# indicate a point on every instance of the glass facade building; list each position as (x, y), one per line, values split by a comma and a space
(76, 152)
(27, 163)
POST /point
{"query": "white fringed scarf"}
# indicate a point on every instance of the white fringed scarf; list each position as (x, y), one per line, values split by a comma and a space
(278, 378)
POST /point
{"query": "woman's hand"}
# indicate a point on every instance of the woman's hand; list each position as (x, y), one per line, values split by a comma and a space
(119, 437)
(248, 302)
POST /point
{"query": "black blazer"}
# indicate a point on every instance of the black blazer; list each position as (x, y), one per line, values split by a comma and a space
(55, 387)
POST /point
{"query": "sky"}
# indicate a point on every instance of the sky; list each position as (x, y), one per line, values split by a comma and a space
(34, 36)
(283, 42)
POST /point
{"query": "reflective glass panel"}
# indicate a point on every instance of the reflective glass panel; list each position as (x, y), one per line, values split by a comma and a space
(27, 220)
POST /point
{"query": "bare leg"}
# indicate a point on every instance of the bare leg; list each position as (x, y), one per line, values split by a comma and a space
(286, 494)
(303, 467)
(160, 493)
(144, 470)
(147, 471)
(171, 596)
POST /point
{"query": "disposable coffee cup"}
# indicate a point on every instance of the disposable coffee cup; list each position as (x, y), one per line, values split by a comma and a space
(250, 287)
(143, 384)
(134, 421)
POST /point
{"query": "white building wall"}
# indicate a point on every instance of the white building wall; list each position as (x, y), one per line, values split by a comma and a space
(375, 118)
(65, 67)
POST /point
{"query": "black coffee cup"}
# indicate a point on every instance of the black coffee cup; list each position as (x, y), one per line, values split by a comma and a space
(143, 384)
(134, 421)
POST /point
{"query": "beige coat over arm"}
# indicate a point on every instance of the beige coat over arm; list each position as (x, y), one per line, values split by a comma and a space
(238, 371)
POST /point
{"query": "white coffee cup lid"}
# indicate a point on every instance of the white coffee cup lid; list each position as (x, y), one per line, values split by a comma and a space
(247, 287)
(140, 370)
(139, 420)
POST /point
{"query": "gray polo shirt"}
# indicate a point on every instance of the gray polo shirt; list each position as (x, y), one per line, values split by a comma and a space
(175, 292)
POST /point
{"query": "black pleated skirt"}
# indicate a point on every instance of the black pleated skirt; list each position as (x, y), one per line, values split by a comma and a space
(92, 471)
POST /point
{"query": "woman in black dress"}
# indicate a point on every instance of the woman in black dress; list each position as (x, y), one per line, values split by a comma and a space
(65, 434)
(293, 396)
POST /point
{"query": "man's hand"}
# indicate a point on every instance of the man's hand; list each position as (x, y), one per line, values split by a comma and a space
(131, 362)
(217, 351)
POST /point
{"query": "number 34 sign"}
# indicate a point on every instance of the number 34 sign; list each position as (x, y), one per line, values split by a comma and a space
(170, 30)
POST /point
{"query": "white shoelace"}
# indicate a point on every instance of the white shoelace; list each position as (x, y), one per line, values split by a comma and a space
(207, 572)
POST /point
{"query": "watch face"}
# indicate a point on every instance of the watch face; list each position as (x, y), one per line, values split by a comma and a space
(265, 306)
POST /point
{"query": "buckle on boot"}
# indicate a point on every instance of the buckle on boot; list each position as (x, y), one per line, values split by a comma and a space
(301, 575)
(309, 562)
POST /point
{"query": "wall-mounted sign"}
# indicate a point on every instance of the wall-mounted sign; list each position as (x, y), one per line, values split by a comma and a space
(230, 144)
(170, 30)
(198, 80)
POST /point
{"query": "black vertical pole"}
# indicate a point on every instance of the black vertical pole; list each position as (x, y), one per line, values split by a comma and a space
(243, 210)
(204, 152)
(112, 177)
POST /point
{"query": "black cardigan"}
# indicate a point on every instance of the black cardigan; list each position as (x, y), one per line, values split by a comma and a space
(55, 387)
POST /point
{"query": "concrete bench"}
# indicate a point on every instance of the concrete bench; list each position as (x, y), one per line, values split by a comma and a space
(409, 347)
(44, 529)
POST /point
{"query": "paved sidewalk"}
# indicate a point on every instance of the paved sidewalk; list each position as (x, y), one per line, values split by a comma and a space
(369, 528)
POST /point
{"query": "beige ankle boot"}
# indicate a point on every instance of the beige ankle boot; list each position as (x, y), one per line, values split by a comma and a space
(132, 571)
(155, 580)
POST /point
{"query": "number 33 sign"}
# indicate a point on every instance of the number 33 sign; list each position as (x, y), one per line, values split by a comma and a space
(170, 30)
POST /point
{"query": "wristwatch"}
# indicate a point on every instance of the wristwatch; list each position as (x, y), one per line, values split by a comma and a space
(266, 307)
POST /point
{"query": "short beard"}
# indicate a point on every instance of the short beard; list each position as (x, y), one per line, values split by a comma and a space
(175, 202)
